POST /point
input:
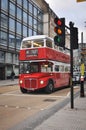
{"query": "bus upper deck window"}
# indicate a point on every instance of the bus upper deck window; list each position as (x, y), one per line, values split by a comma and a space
(48, 43)
(26, 44)
(38, 43)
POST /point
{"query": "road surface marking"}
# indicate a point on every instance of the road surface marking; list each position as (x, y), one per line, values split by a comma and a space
(26, 95)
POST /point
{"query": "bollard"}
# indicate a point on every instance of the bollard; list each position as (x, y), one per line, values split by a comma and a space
(82, 87)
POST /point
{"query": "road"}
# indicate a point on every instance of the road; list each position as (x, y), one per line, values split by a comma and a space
(16, 107)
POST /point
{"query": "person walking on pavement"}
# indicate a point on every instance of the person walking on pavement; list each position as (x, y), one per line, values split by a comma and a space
(12, 75)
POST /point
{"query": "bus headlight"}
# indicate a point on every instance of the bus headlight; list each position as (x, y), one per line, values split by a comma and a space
(41, 82)
(21, 81)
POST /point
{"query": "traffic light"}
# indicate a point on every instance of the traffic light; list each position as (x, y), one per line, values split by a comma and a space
(74, 34)
(59, 39)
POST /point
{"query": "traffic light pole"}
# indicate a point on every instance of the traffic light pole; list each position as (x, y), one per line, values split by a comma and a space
(82, 89)
(71, 66)
(59, 40)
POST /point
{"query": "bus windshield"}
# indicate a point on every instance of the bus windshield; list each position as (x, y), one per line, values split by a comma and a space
(34, 67)
(27, 67)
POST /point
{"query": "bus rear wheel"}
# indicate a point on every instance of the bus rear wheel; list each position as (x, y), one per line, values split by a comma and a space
(49, 88)
(23, 90)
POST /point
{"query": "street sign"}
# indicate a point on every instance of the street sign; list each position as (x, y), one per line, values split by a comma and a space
(81, 0)
(82, 68)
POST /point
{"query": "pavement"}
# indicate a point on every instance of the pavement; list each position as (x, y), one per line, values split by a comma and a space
(64, 118)
(67, 118)
(8, 82)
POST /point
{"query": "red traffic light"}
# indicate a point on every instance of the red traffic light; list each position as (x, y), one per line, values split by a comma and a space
(57, 21)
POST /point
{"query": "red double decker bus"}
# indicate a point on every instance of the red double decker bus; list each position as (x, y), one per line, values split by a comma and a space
(42, 65)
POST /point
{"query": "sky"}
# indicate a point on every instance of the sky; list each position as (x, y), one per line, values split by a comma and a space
(72, 11)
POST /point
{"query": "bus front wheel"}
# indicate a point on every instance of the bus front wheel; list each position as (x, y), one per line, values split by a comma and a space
(49, 88)
(23, 90)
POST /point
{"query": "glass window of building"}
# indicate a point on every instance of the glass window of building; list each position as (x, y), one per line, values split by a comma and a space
(11, 40)
(4, 5)
(30, 8)
(18, 28)
(16, 70)
(9, 58)
(8, 70)
(40, 15)
(4, 21)
(12, 9)
(24, 31)
(30, 32)
(19, 2)
(34, 33)
(11, 24)
(30, 20)
(40, 27)
(3, 38)
(35, 11)
(18, 42)
(19, 13)
(25, 4)
(2, 56)
(13, 1)
(25, 17)
(16, 58)
(35, 23)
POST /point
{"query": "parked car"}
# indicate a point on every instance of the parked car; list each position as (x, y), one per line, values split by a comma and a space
(76, 77)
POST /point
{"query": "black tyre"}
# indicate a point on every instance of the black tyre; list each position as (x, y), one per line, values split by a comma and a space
(49, 88)
(23, 90)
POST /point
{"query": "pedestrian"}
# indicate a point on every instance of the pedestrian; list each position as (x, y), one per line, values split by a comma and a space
(12, 75)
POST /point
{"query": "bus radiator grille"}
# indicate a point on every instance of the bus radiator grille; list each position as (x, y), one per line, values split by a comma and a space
(31, 83)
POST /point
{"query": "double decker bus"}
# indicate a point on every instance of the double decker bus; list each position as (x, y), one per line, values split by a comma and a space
(42, 65)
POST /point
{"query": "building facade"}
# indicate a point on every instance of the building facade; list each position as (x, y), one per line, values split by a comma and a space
(82, 52)
(20, 19)
(78, 55)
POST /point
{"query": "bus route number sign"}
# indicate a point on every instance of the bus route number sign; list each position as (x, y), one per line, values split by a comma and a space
(32, 52)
